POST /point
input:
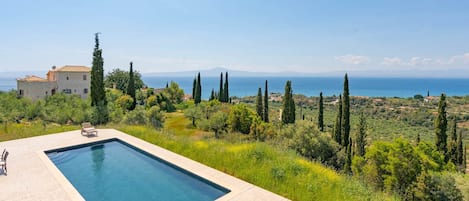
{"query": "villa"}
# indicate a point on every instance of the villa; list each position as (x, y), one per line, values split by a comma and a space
(67, 79)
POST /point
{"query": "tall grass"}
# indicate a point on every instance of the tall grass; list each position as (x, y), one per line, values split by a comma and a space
(11, 131)
(280, 171)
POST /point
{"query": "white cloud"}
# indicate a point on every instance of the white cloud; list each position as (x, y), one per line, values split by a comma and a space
(422, 61)
(391, 61)
(352, 59)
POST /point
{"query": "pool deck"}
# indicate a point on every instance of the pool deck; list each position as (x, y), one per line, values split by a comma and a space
(32, 176)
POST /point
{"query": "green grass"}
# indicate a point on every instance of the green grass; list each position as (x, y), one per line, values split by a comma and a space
(13, 131)
(280, 171)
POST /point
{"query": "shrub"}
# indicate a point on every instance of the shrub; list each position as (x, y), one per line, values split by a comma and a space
(155, 117)
(136, 117)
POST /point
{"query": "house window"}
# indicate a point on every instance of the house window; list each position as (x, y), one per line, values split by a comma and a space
(21, 92)
(85, 90)
(84, 77)
(67, 91)
(67, 77)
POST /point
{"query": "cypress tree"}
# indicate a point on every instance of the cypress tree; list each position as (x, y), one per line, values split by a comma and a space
(321, 113)
(259, 107)
(292, 107)
(131, 87)
(220, 93)
(348, 157)
(453, 144)
(194, 85)
(360, 141)
(345, 114)
(464, 162)
(198, 90)
(266, 104)
(460, 151)
(440, 126)
(288, 113)
(337, 133)
(212, 95)
(225, 91)
(97, 92)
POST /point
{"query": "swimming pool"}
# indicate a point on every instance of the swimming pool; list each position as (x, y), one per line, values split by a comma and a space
(115, 170)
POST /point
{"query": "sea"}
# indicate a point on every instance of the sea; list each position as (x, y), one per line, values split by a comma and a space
(311, 86)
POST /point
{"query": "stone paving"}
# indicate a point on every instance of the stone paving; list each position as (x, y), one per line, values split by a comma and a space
(32, 176)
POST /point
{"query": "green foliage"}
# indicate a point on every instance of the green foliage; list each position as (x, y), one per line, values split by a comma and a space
(395, 166)
(266, 104)
(309, 142)
(453, 144)
(259, 107)
(435, 186)
(194, 87)
(226, 95)
(261, 130)
(240, 118)
(155, 117)
(261, 164)
(152, 101)
(288, 109)
(136, 117)
(217, 123)
(62, 109)
(461, 152)
(100, 114)
(131, 88)
(97, 93)
(221, 96)
(173, 93)
(198, 90)
(120, 79)
(125, 102)
(194, 114)
(440, 126)
(345, 122)
(360, 139)
(337, 132)
(321, 113)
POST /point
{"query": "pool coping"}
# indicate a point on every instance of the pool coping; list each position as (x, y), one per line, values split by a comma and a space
(239, 189)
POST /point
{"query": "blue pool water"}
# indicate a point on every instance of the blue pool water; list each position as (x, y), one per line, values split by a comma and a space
(114, 170)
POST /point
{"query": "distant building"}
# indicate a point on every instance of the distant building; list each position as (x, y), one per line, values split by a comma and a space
(67, 79)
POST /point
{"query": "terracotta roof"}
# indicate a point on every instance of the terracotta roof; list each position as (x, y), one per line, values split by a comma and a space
(33, 78)
(68, 68)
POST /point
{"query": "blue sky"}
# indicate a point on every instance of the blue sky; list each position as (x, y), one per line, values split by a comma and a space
(398, 37)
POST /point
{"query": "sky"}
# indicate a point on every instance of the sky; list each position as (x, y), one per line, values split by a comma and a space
(398, 37)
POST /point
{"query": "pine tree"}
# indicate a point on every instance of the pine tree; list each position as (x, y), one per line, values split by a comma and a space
(288, 113)
(220, 93)
(345, 114)
(360, 141)
(453, 144)
(259, 107)
(194, 85)
(266, 104)
(440, 126)
(226, 95)
(337, 133)
(97, 92)
(198, 90)
(321, 113)
(131, 87)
